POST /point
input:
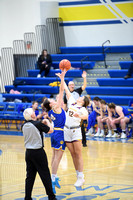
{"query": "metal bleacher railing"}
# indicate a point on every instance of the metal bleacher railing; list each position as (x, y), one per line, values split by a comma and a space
(104, 52)
(17, 60)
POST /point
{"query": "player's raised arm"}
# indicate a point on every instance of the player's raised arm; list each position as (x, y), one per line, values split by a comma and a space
(60, 97)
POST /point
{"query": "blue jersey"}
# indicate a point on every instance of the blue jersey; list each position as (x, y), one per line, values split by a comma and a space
(124, 110)
(105, 112)
(58, 118)
(57, 137)
(90, 109)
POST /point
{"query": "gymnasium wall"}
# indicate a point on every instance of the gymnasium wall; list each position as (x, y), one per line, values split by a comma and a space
(86, 22)
(20, 16)
(95, 21)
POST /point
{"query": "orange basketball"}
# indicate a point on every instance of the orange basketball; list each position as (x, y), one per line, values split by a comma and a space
(65, 64)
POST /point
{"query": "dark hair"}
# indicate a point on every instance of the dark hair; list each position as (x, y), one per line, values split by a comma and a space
(111, 105)
(43, 99)
(96, 99)
(103, 102)
(43, 51)
(86, 101)
(46, 104)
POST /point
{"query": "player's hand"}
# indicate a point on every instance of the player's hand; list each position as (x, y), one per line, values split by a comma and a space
(61, 75)
(45, 121)
(84, 74)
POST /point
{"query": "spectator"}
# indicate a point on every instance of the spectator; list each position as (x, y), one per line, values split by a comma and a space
(36, 159)
(44, 63)
(130, 72)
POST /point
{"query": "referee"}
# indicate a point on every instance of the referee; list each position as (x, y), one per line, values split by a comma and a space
(36, 159)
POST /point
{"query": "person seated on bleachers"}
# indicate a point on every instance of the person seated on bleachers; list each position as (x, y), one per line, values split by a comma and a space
(44, 63)
(119, 115)
(103, 118)
(90, 109)
(130, 72)
(97, 109)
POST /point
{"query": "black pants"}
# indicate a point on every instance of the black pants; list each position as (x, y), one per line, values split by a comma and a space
(36, 161)
(130, 70)
(83, 126)
(44, 68)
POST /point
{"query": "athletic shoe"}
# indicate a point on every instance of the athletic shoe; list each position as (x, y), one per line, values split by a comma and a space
(53, 187)
(101, 135)
(57, 183)
(97, 134)
(84, 145)
(115, 135)
(88, 133)
(123, 136)
(39, 76)
(79, 182)
(109, 135)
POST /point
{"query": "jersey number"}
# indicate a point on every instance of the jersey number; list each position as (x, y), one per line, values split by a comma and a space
(71, 113)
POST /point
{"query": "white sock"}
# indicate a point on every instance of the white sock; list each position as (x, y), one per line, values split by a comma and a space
(98, 131)
(91, 130)
(77, 172)
(102, 131)
(80, 174)
(53, 176)
(110, 132)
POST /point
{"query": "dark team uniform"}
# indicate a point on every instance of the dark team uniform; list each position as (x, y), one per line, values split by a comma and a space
(36, 159)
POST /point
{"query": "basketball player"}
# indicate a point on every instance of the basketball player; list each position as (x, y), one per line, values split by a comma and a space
(97, 108)
(72, 131)
(104, 118)
(90, 109)
(58, 116)
(119, 115)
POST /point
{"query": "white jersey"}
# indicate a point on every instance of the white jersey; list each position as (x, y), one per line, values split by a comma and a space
(72, 121)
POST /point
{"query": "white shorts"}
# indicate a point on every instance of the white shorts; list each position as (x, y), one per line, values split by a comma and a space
(71, 135)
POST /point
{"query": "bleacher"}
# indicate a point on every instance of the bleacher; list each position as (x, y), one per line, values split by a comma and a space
(113, 88)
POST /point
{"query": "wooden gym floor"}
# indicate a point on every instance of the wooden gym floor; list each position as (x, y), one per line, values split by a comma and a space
(108, 169)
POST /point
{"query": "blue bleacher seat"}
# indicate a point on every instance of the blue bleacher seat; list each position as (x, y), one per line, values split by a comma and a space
(77, 57)
(115, 82)
(110, 91)
(31, 97)
(118, 73)
(41, 81)
(97, 49)
(76, 64)
(70, 73)
(31, 88)
(125, 64)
